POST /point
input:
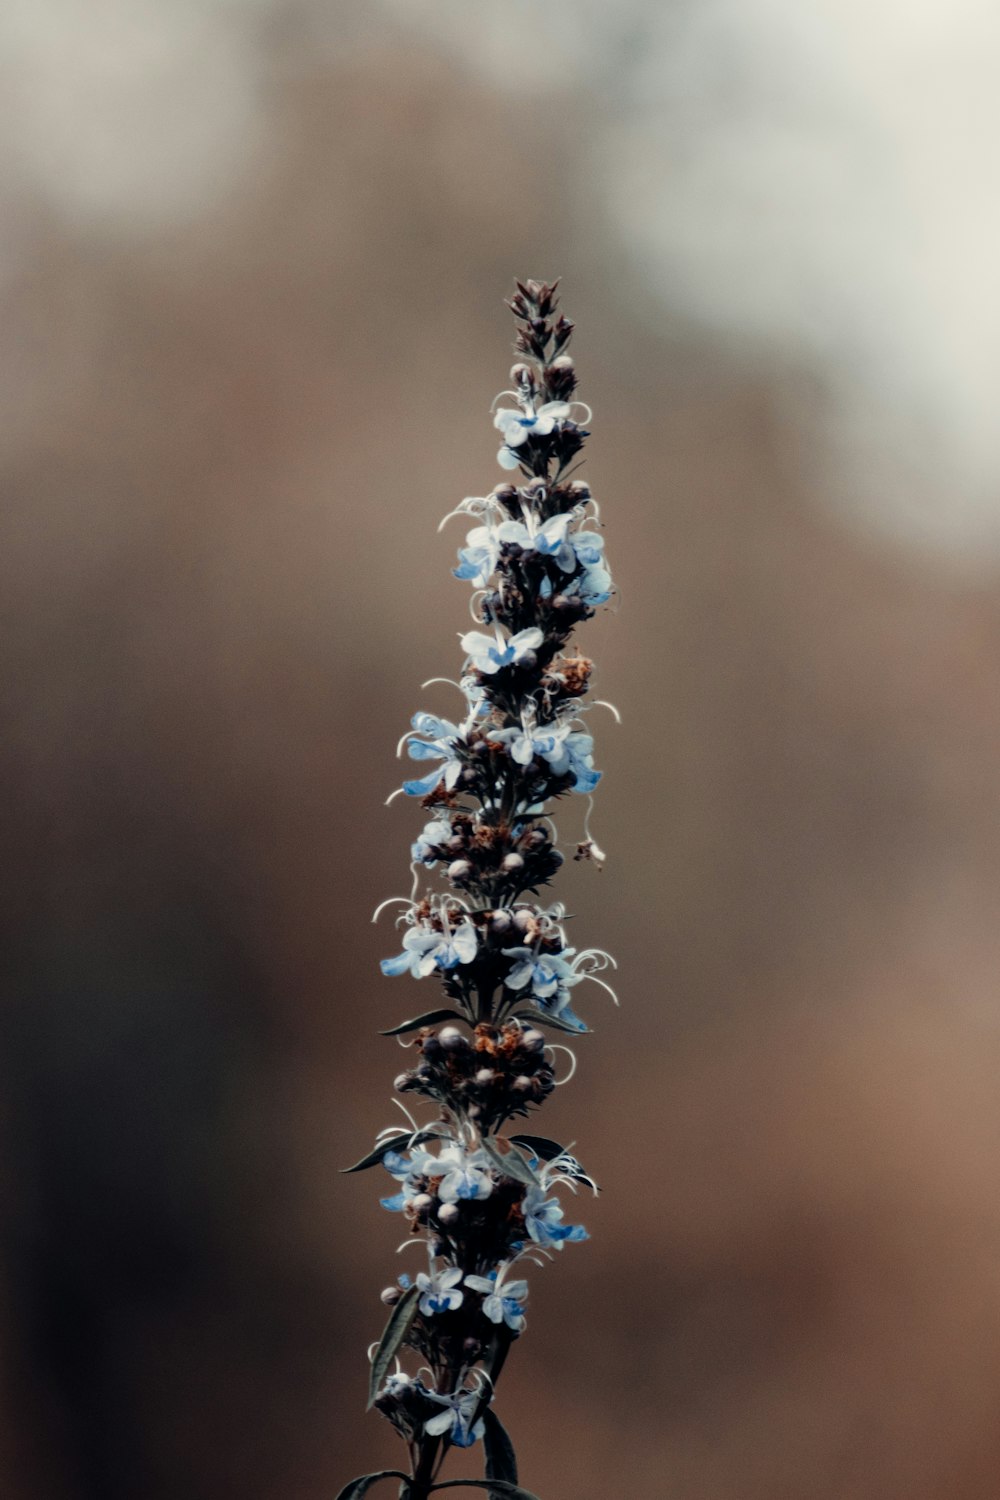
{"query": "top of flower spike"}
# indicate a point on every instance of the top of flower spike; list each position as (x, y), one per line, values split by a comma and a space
(537, 562)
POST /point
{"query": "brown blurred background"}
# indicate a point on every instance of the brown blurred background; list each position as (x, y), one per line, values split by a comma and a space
(252, 268)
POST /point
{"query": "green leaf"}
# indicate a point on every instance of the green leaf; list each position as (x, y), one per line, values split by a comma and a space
(405, 1140)
(510, 1163)
(392, 1339)
(498, 1487)
(540, 1146)
(359, 1487)
(429, 1018)
(538, 1018)
(501, 1462)
(493, 1362)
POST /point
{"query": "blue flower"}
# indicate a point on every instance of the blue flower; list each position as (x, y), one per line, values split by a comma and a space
(503, 1299)
(548, 979)
(441, 745)
(431, 837)
(593, 585)
(439, 1290)
(564, 749)
(408, 1170)
(589, 548)
(578, 749)
(515, 427)
(425, 949)
(544, 972)
(543, 1217)
(489, 654)
(466, 1174)
(454, 1421)
(572, 752)
(479, 557)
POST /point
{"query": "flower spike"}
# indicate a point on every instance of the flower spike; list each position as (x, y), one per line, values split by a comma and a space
(480, 1203)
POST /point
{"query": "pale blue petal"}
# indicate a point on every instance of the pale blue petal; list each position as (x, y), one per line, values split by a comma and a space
(519, 975)
(420, 750)
(586, 780)
(465, 942)
(424, 785)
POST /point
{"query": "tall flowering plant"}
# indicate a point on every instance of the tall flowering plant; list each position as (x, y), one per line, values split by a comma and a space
(482, 1203)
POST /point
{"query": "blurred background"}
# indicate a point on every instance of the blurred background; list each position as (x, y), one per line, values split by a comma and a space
(252, 257)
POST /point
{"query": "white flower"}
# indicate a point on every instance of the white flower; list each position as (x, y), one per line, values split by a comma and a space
(454, 1420)
(425, 949)
(516, 427)
(503, 1300)
(466, 1175)
(489, 653)
(439, 1290)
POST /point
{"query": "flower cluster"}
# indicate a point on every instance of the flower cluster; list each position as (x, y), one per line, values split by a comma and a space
(482, 1204)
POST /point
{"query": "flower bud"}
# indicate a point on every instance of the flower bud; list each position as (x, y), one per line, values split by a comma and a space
(451, 1039)
(523, 919)
(580, 490)
(532, 1039)
(402, 1081)
(484, 1076)
(521, 374)
(500, 921)
(528, 661)
(448, 1214)
(421, 1205)
(522, 1084)
(563, 362)
(390, 1295)
(459, 869)
(511, 863)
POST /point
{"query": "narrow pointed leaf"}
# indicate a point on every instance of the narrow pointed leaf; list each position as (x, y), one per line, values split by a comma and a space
(538, 1018)
(493, 1362)
(498, 1487)
(395, 1333)
(359, 1487)
(511, 1163)
(381, 1150)
(395, 1143)
(429, 1018)
(501, 1462)
(540, 1146)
